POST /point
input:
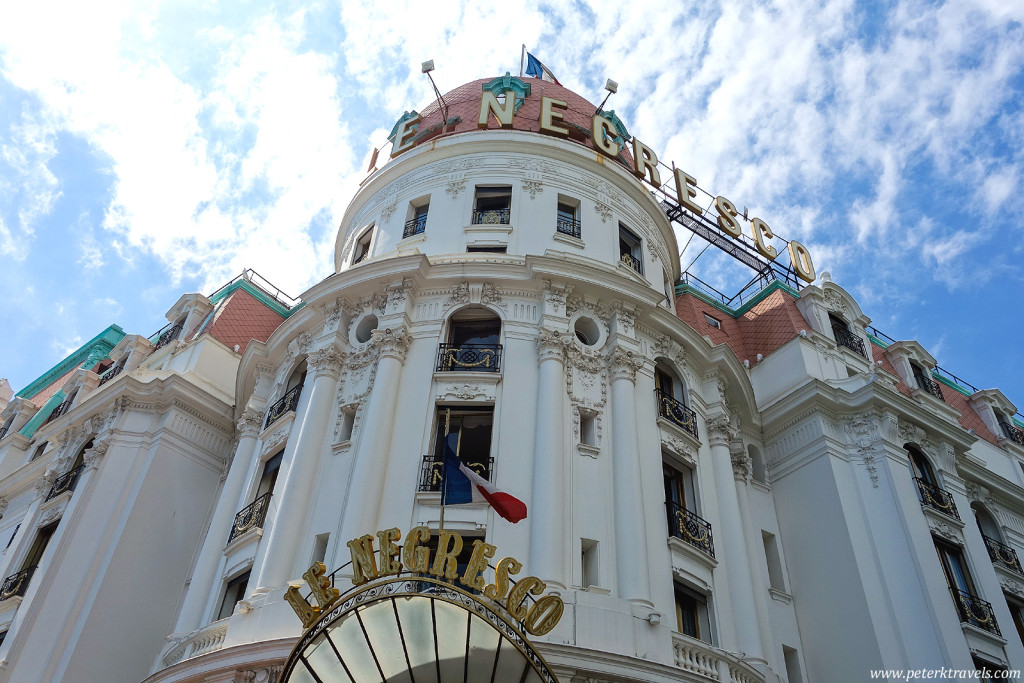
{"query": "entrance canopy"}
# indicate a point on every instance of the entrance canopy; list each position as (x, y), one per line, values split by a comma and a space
(414, 630)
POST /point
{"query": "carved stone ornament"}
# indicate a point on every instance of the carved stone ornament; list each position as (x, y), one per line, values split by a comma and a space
(388, 212)
(3, 505)
(742, 465)
(52, 513)
(266, 674)
(977, 493)
(720, 430)
(623, 364)
(397, 294)
(604, 210)
(45, 482)
(326, 362)
(455, 187)
(91, 458)
(1011, 586)
(532, 187)
(466, 392)
(551, 345)
(489, 295)
(945, 530)
(459, 295)
(393, 343)
(835, 302)
(626, 316)
(864, 438)
(554, 297)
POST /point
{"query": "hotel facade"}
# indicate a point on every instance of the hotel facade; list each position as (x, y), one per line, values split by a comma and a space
(764, 491)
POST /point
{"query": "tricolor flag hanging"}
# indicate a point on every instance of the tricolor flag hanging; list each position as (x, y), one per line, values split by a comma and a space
(462, 485)
(535, 68)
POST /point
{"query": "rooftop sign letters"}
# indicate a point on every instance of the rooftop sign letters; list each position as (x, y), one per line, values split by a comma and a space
(607, 134)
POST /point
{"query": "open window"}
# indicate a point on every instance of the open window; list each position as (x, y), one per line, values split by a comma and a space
(470, 427)
(629, 249)
(692, 617)
(472, 342)
(362, 248)
(492, 205)
(234, 591)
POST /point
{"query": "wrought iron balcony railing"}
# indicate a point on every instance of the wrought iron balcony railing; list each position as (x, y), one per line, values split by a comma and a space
(675, 412)
(110, 374)
(431, 467)
(289, 401)
(415, 226)
(631, 261)
(250, 517)
(936, 498)
(3, 431)
(690, 527)
(65, 482)
(931, 386)
(167, 335)
(975, 611)
(64, 407)
(492, 217)
(1002, 555)
(848, 339)
(16, 584)
(471, 357)
(568, 226)
(1012, 432)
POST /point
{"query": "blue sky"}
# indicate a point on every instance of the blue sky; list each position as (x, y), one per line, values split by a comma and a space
(149, 149)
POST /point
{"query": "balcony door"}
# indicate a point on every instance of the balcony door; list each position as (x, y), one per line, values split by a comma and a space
(473, 443)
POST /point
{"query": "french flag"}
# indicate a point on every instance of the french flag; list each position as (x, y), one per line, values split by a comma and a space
(463, 485)
(538, 70)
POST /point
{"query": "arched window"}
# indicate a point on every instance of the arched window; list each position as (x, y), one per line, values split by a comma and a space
(670, 391)
(921, 468)
(472, 345)
(757, 464)
(844, 336)
(988, 527)
(290, 400)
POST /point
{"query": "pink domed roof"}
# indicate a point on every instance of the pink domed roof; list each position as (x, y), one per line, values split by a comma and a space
(464, 102)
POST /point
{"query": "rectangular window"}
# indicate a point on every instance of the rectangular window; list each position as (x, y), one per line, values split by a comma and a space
(567, 220)
(771, 553)
(692, 614)
(958, 577)
(629, 249)
(319, 548)
(233, 592)
(492, 205)
(40, 449)
(588, 563)
(35, 553)
(477, 249)
(470, 428)
(714, 322)
(1017, 612)
(417, 221)
(348, 421)
(679, 487)
(792, 660)
(271, 468)
(588, 428)
(362, 249)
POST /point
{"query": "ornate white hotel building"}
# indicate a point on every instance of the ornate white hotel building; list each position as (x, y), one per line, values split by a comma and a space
(772, 492)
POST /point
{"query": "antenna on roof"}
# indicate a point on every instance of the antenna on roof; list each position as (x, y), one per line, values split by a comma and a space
(427, 67)
(612, 87)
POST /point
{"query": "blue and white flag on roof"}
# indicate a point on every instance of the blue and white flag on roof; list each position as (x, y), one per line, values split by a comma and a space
(538, 70)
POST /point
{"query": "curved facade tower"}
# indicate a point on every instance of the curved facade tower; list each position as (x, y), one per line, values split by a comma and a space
(768, 493)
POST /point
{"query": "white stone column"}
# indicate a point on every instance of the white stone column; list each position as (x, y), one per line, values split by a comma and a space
(730, 536)
(204, 574)
(365, 490)
(627, 493)
(547, 499)
(300, 477)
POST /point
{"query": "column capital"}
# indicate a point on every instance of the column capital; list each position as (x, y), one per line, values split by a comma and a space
(720, 430)
(327, 362)
(551, 345)
(392, 343)
(623, 363)
(45, 483)
(250, 422)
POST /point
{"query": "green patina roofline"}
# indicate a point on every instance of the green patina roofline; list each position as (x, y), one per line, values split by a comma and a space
(258, 294)
(42, 415)
(683, 288)
(88, 355)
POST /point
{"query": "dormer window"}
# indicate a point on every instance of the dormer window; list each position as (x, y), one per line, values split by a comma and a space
(493, 205)
(925, 382)
(629, 249)
(1009, 429)
(169, 333)
(844, 336)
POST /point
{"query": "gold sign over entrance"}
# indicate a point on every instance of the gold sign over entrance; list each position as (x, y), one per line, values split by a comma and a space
(415, 557)
(645, 167)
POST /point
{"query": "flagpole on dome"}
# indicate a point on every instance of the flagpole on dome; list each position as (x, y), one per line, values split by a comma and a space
(522, 59)
(444, 465)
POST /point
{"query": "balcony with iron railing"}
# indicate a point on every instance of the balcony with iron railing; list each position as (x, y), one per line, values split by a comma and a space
(931, 386)
(844, 337)
(166, 335)
(16, 584)
(415, 226)
(936, 498)
(431, 469)
(677, 413)
(1012, 432)
(250, 517)
(630, 261)
(64, 407)
(1002, 555)
(469, 357)
(492, 217)
(567, 225)
(110, 374)
(65, 482)
(690, 527)
(288, 402)
(975, 611)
